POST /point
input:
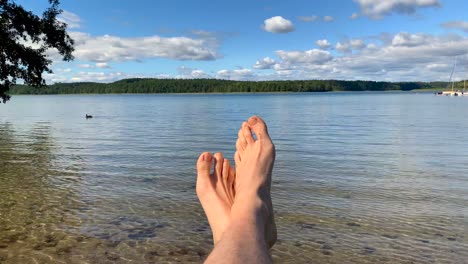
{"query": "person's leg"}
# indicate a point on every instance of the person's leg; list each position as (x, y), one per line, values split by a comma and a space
(251, 229)
(215, 191)
(243, 242)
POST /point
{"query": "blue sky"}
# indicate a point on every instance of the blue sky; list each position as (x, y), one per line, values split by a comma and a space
(391, 40)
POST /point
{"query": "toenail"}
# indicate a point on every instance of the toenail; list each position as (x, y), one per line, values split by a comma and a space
(253, 120)
(208, 157)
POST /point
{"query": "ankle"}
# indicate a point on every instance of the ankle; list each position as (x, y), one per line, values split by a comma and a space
(250, 206)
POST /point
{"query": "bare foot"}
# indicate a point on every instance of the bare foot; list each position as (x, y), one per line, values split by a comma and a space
(254, 165)
(215, 191)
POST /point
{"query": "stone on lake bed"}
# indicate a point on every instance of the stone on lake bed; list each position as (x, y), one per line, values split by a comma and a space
(112, 256)
(326, 247)
(64, 246)
(390, 236)
(308, 226)
(369, 250)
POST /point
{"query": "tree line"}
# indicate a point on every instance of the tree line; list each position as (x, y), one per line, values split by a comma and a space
(150, 85)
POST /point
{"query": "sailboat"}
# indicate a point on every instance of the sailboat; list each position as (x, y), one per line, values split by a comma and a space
(454, 92)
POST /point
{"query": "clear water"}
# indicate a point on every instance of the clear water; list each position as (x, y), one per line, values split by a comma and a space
(359, 177)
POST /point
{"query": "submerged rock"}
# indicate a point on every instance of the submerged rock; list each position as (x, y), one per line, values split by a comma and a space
(369, 250)
(64, 246)
(390, 236)
(308, 226)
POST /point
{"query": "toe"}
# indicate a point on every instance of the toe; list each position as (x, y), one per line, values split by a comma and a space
(203, 173)
(239, 145)
(225, 177)
(231, 182)
(219, 160)
(259, 127)
(226, 167)
(237, 158)
(241, 141)
(204, 163)
(247, 133)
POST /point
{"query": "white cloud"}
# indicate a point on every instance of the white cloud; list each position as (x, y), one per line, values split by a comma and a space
(439, 66)
(282, 67)
(308, 18)
(189, 73)
(63, 70)
(354, 16)
(238, 74)
(323, 43)
(102, 65)
(314, 56)
(342, 47)
(398, 57)
(85, 66)
(350, 45)
(328, 18)
(357, 44)
(265, 63)
(199, 74)
(413, 59)
(378, 8)
(99, 76)
(71, 19)
(112, 48)
(410, 40)
(461, 25)
(278, 24)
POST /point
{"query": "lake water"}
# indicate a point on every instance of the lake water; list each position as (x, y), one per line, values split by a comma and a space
(359, 177)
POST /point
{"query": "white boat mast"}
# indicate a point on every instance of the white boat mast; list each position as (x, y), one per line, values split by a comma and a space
(451, 74)
(464, 81)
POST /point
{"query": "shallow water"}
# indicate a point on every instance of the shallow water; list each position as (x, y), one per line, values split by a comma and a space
(359, 177)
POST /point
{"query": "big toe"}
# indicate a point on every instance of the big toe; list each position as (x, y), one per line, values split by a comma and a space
(204, 164)
(259, 127)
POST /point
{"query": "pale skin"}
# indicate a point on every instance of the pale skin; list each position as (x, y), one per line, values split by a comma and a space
(237, 202)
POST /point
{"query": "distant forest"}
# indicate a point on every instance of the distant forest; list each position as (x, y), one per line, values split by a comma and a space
(223, 86)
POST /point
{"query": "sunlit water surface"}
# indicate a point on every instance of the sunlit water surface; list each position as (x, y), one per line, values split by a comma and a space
(359, 177)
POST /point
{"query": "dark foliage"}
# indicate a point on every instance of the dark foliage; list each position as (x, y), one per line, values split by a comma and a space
(218, 86)
(21, 61)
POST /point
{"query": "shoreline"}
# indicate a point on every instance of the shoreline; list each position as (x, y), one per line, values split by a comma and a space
(246, 93)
